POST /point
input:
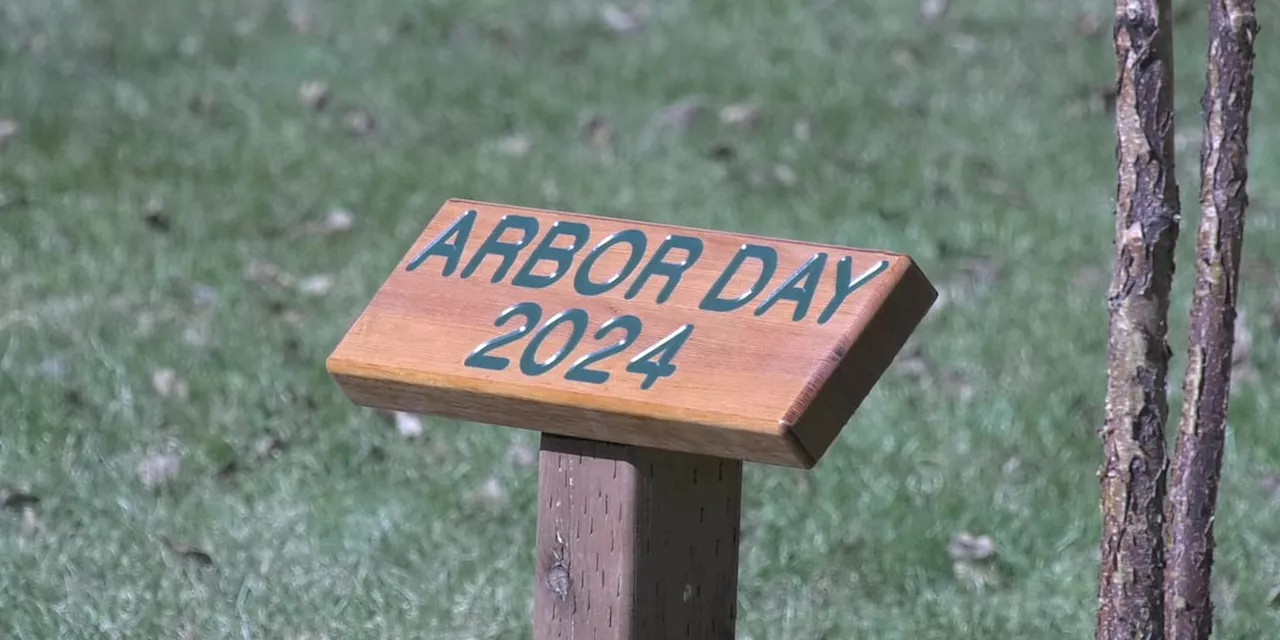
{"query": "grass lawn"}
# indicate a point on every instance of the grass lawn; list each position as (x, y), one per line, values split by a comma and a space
(173, 275)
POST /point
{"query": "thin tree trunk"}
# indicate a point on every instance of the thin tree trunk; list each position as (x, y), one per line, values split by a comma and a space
(1197, 464)
(1131, 575)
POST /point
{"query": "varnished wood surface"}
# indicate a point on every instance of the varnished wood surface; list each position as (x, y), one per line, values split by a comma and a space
(635, 543)
(773, 387)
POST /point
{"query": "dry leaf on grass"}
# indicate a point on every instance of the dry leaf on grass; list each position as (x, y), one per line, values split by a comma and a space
(1089, 277)
(293, 317)
(955, 384)
(408, 424)
(598, 133)
(188, 552)
(155, 216)
(801, 130)
(158, 469)
(780, 175)
(1011, 466)
(492, 490)
(301, 16)
(965, 546)
(491, 493)
(19, 199)
(268, 447)
(1270, 482)
(619, 20)
(338, 221)
(35, 43)
(228, 471)
(190, 45)
(317, 285)
(904, 58)
(965, 44)
(196, 336)
(386, 34)
(680, 114)
(16, 499)
(314, 94)
(914, 364)
(740, 115)
(516, 145)
(201, 104)
(53, 367)
(383, 34)
(786, 176)
(247, 26)
(973, 560)
(266, 273)
(1184, 141)
(550, 192)
(1002, 188)
(8, 129)
(932, 10)
(722, 152)
(359, 122)
(522, 454)
(31, 524)
(979, 576)
(167, 383)
(975, 275)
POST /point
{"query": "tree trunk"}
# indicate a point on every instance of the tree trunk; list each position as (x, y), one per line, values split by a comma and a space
(1197, 464)
(1131, 575)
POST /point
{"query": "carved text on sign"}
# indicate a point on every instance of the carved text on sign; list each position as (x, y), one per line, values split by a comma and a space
(665, 266)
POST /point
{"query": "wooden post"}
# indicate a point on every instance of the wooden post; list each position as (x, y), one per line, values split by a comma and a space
(635, 542)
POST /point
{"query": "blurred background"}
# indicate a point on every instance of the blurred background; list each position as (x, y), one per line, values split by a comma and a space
(198, 196)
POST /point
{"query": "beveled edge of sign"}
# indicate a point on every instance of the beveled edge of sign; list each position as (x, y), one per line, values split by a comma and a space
(554, 415)
(843, 380)
(809, 426)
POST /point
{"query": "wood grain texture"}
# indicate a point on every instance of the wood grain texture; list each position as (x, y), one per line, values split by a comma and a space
(770, 385)
(635, 543)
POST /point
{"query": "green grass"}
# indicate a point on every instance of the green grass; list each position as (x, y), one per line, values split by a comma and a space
(979, 144)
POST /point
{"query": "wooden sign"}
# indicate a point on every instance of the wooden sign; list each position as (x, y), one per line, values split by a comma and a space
(640, 334)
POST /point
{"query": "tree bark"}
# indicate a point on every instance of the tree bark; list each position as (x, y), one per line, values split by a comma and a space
(1131, 574)
(1197, 464)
